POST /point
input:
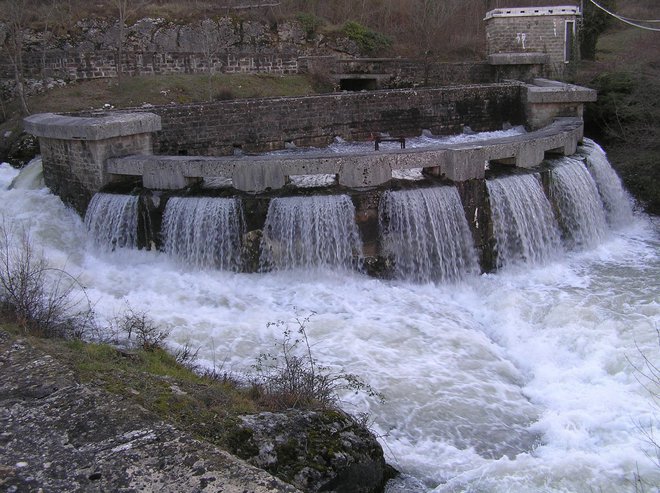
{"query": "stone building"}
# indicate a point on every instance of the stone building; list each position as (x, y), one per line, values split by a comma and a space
(531, 35)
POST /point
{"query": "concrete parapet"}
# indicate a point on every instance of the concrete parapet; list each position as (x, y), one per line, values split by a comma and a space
(99, 127)
(546, 100)
(518, 58)
(455, 162)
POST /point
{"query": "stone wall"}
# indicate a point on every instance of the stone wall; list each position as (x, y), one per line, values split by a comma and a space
(72, 66)
(267, 124)
(74, 150)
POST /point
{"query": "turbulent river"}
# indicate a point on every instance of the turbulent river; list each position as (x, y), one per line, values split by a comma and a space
(527, 380)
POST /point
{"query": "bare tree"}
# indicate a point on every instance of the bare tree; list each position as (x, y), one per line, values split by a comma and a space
(122, 7)
(13, 14)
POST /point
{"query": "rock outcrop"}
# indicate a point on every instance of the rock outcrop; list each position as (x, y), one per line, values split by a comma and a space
(314, 450)
(59, 435)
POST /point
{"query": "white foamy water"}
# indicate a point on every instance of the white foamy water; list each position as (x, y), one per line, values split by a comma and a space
(425, 141)
(519, 381)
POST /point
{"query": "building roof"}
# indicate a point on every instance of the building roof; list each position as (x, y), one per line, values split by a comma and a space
(533, 11)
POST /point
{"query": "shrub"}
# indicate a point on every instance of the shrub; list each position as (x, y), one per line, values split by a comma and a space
(310, 23)
(35, 295)
(140, 330)
(292, 378)
(369, 41)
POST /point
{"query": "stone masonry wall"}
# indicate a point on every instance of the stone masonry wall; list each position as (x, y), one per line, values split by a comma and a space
(529, 34)
(75, 167)
(79, 66)
(267, 124)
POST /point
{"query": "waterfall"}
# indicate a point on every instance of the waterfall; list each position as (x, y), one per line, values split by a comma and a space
(576, 197)
(31, 176)
(204, 231)
(426, 233)
(524, 226)
(112, 220)
(316, 231)
(615, 199)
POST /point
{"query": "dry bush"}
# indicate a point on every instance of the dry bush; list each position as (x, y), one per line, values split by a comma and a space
(291, 378)
(140, 330)
(38, 297)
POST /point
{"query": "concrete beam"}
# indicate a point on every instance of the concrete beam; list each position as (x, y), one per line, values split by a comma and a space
(258, 177)
(456, 162)
(518, 59)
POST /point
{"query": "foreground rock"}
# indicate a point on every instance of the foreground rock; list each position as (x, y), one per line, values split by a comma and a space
(314, 450)
(58, 435)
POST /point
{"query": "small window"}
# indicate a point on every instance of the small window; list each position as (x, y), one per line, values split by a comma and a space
(569, 42)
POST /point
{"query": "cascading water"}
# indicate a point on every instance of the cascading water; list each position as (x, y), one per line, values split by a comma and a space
(31, 176)
(112, 220)
(426, 233)
(581, 213)
(204, 231)
(523, 223)
(307, 232)
(521, 381)
(615, 199)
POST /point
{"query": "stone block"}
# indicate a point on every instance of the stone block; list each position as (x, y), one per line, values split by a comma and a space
(365, 171)
(464, 164)
(255, 177)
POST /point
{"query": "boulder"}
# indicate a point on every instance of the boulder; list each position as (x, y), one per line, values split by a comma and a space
(324, 450)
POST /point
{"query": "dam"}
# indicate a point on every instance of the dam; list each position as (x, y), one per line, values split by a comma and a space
(113, 152)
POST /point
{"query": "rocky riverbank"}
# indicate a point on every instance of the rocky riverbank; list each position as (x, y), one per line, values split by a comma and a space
(62, 431)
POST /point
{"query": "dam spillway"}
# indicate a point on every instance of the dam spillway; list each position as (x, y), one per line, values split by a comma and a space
(424, 232)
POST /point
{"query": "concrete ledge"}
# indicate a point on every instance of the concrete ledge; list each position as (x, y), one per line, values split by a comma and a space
(518, 59)
(456, 162)
(103, 127)
(546, 91)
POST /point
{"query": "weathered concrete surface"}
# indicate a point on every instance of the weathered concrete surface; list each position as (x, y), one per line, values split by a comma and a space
(99, 127)
(518, 58)
(74, 149)
(59, 435)
(456, 162)
(546, 100)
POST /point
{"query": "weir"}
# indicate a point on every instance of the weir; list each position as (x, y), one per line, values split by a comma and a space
(442, 226)
(524, 226)
(425, 231)
(112, 220)
(309, 232)
(580, 209)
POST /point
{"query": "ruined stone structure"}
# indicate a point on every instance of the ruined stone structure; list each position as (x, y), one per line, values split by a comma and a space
(533, 35)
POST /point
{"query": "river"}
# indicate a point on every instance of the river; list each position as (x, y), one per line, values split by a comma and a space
(525, 380)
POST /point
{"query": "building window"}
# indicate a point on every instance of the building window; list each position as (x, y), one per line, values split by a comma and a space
(569, 42)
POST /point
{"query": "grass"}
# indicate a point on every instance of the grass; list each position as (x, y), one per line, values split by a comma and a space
(158, 90)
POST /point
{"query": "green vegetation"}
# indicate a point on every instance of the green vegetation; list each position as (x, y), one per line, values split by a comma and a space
(369, 41)
(626, 74)
(310, 23)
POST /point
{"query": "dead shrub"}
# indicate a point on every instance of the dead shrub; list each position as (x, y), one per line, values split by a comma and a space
(38, 297)
(291, 378)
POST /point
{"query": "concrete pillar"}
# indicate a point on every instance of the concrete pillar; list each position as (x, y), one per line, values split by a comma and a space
(75, 149)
